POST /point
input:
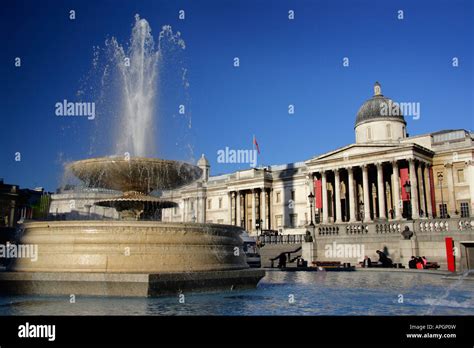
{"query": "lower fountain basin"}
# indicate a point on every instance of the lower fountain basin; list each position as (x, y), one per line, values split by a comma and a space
(131, 246)
(129, 259)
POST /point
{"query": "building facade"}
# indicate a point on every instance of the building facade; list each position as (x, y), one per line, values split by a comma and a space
(386, 175)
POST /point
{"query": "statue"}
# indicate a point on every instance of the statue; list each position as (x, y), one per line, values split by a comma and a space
(407, 234)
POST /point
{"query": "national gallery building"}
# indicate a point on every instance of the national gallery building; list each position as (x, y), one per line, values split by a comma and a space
(386, 175)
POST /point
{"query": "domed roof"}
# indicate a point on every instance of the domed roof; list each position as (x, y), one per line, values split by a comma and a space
(203, 162)
(378, 108)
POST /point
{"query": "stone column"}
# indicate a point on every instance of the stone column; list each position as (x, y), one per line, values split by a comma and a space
(324, 192)
(337, 188)
(352, 203)
(183, 218)
(470, 178)
(254, 210)
(365, 184)
(429, 208)
(381, 191)
(397, 202)
(229, 207)
(237, 207)
(203, 209)
(451, 197)
(263, 214)
(423, 199)
(414, 190)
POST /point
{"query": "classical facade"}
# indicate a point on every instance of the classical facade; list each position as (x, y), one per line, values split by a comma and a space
(385, 175)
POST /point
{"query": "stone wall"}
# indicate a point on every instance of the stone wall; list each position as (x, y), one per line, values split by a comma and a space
(351, 242)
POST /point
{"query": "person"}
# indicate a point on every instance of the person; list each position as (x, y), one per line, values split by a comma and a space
(282, 260)
(419, 263)
(308, 237)
(412, 263)
(392, 213)
(367, 263)
(422, 213)
(407, 234)
(384, 260)
(424, 260)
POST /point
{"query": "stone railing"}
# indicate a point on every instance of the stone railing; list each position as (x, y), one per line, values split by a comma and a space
(389, 227)
(394, 228)
(357, 229)
(282, 239)
(466, 224)
(328, 230)
(434, 225)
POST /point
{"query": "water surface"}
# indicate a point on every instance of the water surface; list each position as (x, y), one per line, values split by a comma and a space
(282, 293)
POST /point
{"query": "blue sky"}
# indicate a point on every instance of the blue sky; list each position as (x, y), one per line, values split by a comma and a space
(282, 62)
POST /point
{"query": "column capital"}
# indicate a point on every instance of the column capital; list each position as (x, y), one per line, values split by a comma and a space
(448, 165)
(378, 164)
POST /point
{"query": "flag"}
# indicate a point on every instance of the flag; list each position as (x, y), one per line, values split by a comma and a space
(256, 144)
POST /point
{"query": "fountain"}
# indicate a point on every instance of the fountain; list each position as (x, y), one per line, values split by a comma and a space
(136, 255)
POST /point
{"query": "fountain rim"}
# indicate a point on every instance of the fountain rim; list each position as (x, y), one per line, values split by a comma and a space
(87, 168)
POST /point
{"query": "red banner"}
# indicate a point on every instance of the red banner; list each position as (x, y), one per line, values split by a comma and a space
(404, 177)
(318, 194)
(450, 254)
(432, 189)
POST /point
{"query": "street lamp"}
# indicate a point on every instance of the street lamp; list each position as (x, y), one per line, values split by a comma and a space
(311, 201)
(407, 187)
(440, 180)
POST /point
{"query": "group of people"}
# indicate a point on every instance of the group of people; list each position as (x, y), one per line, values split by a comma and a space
(417, 262)
(384, 260)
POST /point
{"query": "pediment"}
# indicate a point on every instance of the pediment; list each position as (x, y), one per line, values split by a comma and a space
(355, 150)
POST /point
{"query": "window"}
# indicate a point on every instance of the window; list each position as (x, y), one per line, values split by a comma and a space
(369, 133)
(403, 132)
(293, 195)
(443, 211)
(389, 131)
(209, 203)
(278, 197)
(293, 220)
(220, 203)
(460, 175)
(175, 210)
(464, 209)
(279, 219)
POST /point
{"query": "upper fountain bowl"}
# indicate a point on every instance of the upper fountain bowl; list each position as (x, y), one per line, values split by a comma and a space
(135, 174)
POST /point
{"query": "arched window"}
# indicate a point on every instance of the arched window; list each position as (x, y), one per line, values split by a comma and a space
(389, 131)
(403, 132)
(369, 133)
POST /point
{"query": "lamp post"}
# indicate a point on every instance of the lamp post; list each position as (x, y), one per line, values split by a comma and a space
(440, 180)
(407, 187)
(311, 201)
(361, 211)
